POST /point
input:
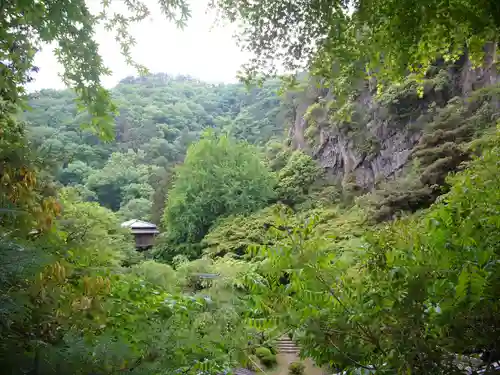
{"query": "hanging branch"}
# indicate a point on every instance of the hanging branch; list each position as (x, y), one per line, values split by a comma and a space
(369, 334)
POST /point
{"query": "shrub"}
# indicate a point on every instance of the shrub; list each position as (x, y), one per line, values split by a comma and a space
(263, 352)
(233, 235)
(296, 368)
(277, 154)
(269, 361)
(156, 273)
(311, 132)
(296, 178)
(266, 357)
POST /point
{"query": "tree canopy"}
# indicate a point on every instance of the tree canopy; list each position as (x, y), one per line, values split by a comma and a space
(29, 25)
(405, 297)
(219, 177)
(345, 40)
(159, 116)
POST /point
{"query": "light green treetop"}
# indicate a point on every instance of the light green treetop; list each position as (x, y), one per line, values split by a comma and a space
(219, 177)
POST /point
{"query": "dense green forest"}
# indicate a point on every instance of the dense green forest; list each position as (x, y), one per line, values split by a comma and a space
(159, 116)
(355, 208)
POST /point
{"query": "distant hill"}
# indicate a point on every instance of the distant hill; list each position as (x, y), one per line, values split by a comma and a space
(159, 116)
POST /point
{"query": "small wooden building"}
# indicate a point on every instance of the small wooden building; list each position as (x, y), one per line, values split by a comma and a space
(143, 232)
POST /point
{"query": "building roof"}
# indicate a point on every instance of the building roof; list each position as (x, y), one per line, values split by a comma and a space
(140, 226)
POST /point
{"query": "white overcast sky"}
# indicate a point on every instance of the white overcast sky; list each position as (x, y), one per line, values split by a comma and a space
(203, 50)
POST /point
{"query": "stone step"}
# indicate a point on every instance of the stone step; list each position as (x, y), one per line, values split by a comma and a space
(295, 351)
(283, 341)
(285, 345)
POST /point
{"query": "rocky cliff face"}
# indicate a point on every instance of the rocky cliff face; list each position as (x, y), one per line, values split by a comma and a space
(375, 137)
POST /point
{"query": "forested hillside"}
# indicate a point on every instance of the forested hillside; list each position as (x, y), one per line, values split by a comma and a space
(358, 213)
(159, 116)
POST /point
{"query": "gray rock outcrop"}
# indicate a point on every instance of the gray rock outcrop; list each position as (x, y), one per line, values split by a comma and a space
(379, 144)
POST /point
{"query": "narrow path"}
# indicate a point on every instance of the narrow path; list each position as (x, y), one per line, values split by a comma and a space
(287, 346)
(288, 352)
